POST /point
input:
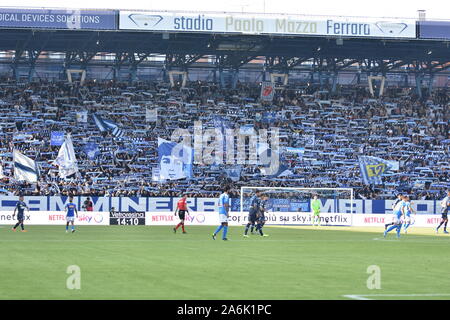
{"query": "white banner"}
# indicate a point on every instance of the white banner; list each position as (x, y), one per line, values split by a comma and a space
(82, 116)
(85, 218)
(267, 91)
(250, 23)
(151, 115)
(238, 219)
(212, 219)
(291, 218)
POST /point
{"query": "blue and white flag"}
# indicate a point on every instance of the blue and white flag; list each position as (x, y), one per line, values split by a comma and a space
(234, 173)
(82, 116)
(25, 169)
(175, 160)
(108, 125)
(269, 116)
(57, 138)
(66, 160)
(281, 171)
(373, 168)
(92, 150)
(310, 139)
(248, 129)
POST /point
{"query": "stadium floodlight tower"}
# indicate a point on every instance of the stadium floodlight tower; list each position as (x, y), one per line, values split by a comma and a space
(292, 206)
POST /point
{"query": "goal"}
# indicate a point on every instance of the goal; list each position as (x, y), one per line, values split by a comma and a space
(292, 206)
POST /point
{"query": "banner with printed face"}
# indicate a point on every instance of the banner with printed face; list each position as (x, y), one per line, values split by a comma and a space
(252, 23)
(175, 160)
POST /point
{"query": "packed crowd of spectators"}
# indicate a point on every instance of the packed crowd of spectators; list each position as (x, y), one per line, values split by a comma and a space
(333, 130)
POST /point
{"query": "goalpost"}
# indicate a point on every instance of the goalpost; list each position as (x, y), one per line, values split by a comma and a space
(292, 206)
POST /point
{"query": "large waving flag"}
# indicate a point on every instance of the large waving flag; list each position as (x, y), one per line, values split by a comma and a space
(108, 125)
(25, 169)
(372, 169)
(66, 160)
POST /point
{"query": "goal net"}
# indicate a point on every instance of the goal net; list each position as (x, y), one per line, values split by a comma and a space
(293, 206)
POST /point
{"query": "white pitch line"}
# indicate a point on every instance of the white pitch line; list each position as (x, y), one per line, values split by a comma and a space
(355, 297)
(218, 240)
(364, 296)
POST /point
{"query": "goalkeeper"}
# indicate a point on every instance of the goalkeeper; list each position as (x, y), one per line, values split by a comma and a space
(315, 206)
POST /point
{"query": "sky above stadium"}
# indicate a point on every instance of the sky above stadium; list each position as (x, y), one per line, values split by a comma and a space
(438, 9)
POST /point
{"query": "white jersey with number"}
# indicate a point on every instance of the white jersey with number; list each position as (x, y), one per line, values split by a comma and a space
(445, 202)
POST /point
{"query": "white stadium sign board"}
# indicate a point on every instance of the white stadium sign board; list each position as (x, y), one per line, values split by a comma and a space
(250, 23)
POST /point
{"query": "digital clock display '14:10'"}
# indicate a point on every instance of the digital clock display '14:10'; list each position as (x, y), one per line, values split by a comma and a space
(127, 218)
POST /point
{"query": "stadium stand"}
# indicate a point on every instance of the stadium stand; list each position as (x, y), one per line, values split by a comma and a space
(399, 126)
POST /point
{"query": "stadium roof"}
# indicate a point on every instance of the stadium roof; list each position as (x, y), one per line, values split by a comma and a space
(233, 50)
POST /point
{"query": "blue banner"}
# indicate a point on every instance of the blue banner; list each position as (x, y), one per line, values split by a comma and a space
(234, 173)
(57, 138)
(92, 150)
(165, 204)
(269, 117)
(58, 19)
(434, 30)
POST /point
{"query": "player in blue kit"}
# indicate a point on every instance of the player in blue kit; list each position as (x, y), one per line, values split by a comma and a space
(224, 208)
(20, 209)
(71, 211)
(399, 211)
(408, 210)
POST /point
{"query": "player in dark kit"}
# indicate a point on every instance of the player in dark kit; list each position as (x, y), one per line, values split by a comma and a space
(255, 204)
(261, 216)
(182, 210)
(20, 208)
(445, 205)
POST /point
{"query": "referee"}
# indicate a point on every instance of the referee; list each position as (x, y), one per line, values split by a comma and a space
(181, 210)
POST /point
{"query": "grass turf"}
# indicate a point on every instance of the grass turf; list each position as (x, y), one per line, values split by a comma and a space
(144, 262)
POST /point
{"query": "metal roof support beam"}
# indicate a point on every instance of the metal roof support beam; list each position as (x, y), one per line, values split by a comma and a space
(135, 59)
(181, 61)
(119, 59)
(32, 56)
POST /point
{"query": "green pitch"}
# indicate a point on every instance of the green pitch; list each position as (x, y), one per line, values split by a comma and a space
(142, 262)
